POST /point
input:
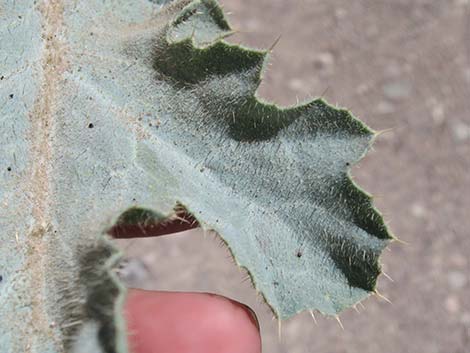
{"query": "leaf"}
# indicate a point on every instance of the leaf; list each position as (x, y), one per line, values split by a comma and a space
(122, 111)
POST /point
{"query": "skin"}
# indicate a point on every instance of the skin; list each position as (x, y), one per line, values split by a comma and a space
(178, 322)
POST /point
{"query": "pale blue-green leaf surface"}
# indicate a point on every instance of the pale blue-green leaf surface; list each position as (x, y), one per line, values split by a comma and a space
(107, 106)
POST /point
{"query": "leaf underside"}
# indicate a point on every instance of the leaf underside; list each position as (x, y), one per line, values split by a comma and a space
(123, 111)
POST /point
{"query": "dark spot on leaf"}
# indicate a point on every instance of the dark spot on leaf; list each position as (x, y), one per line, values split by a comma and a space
(299, 254)
(2, 77)
(348, 164)
(361, 269)
(91, 126)
(1, 278)
(11, 95)
(9, 169)
(275, 283)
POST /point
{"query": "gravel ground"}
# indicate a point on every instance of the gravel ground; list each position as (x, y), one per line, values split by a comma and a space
(401, 65)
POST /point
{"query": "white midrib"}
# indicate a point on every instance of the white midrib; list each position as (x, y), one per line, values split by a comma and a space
(42, 124)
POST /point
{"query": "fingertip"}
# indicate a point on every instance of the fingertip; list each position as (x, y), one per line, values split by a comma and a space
(174, 322)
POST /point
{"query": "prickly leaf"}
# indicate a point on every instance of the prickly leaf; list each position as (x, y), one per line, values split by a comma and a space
(124, 110)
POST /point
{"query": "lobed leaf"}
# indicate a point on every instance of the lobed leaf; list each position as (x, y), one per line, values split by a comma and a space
(121, 112)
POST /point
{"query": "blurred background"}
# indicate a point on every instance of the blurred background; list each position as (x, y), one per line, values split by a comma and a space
(402, 65)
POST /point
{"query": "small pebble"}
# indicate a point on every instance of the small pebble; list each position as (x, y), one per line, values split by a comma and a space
(324, 62)
(397, 90)
(465, 318)
(385, 107)
(438, 113)
(461, 131)
(457, 279)
(296, 84)
(418, 210)
(452, 304)
(340, 13)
